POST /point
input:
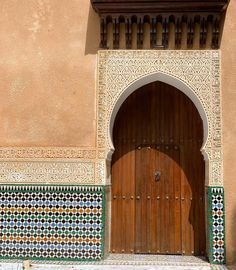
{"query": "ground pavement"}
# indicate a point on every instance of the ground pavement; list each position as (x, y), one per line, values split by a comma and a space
(119, 262)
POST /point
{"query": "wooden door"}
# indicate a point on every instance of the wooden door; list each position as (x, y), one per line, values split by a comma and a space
(158, 130)
(158, 196)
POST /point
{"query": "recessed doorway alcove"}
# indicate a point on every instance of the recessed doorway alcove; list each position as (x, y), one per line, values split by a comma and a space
(197, 75)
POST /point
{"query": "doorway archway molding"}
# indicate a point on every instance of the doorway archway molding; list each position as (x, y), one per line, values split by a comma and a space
(166, 78)
(197, 74)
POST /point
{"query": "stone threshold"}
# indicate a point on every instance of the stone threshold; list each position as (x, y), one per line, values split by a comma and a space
(134, 259)
(120, 261)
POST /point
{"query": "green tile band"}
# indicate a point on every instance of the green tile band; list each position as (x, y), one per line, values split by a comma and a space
(216, 225)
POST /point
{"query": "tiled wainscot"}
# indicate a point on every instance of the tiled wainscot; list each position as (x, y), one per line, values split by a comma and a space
(52, 222)
(216, 225)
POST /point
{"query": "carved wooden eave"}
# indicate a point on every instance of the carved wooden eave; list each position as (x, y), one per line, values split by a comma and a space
(153, 24)
(157, 6)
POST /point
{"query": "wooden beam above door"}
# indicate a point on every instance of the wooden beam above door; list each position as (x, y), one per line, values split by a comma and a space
(163, 24)
(155, 6)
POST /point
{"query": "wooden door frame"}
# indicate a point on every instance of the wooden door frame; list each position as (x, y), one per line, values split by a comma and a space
(197, 74)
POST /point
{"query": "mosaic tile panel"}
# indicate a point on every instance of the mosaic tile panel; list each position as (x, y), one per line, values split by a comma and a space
(216, 225)
(52, 222)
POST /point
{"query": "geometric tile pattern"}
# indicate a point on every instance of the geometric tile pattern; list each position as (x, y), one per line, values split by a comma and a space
(216, 225)
(52, 222)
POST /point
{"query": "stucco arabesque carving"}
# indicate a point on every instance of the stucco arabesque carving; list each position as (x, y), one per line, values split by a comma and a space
(199, 70)
(51, 165)
(46, 153)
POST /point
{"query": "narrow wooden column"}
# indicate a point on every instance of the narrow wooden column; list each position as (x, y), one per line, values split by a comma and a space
(122, 38)
(171, 36)
(184, 35)
(110, 35)
(146, 36)
(134, 38)
(196, 35)
(209, 34)
(159, 34)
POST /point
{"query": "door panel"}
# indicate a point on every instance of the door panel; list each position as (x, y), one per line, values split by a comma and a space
(158, 129)
(123, 202)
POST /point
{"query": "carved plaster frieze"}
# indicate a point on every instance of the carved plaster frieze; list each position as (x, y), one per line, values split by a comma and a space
(100, 171)
(46, 153)
(47, 172)
(49, 165)
(199, 71)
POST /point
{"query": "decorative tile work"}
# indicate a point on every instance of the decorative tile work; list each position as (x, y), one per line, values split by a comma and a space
(52, 222)
(216, 225)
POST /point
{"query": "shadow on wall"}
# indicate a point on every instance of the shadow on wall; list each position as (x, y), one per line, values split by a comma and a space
(93, 32)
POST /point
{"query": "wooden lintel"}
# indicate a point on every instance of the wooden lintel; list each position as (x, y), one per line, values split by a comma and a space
(158, 6)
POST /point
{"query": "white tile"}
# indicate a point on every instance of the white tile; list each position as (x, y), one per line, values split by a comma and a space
(11, 266)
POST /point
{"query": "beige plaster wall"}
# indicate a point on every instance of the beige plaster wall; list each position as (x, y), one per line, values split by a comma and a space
(47, 82)
(228, 47)
(47, 72)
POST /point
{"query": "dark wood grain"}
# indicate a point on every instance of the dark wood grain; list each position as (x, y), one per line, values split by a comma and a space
(158, 128)
(153, 6)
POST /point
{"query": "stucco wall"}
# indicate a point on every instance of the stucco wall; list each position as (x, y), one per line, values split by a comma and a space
(47, 72)
(228, 47)
(47, 82)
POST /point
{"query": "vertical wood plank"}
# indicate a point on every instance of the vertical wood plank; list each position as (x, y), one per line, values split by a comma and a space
(158, 118)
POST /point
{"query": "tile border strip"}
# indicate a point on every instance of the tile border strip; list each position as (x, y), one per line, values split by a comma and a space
(216, 225)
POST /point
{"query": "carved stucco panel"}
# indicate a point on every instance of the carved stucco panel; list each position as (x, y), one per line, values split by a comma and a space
(47, 172)
(199, 70)
(46, 153)
(101, 171)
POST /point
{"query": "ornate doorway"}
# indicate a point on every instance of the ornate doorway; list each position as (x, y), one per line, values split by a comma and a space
(158, 174)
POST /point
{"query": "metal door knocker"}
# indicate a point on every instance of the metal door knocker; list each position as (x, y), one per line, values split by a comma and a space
(157, 175)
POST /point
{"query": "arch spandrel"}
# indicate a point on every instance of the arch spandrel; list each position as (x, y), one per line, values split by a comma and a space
(196, 73)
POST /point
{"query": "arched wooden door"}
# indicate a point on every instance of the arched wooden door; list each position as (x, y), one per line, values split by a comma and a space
(158, 174)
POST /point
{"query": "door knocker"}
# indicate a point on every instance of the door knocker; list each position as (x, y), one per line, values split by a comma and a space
(157, 175)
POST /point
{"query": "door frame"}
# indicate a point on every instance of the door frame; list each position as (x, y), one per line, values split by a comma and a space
(197, 74)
